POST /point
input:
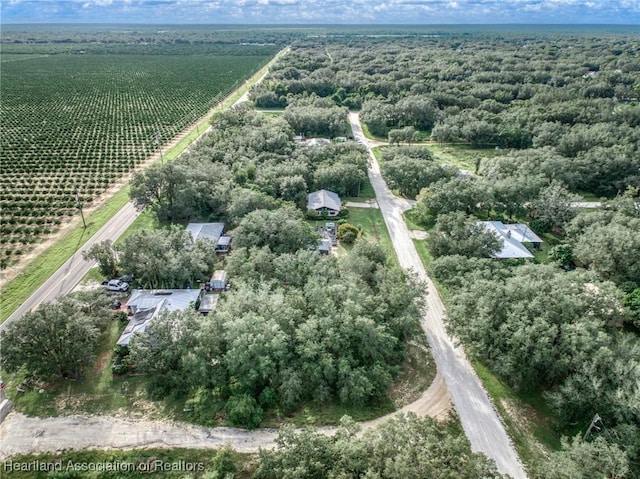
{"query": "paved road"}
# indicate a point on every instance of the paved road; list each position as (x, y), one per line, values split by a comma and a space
(479, 419)
(71, 272)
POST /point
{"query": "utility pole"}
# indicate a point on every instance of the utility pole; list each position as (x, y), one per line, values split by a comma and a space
(79, 206)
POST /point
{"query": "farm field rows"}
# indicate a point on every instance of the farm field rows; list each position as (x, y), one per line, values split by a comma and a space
(81, 122)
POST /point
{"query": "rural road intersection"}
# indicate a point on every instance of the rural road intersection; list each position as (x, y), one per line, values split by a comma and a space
(479, 419)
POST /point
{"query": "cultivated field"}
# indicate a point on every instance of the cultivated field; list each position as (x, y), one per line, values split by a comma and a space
(81, 121)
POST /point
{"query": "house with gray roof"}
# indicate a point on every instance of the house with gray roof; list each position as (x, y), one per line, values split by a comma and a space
(145, 305)
(512, 237)
(324, 201)
(211, 232)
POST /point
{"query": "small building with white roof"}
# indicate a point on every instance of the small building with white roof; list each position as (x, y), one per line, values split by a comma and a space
(512, 236)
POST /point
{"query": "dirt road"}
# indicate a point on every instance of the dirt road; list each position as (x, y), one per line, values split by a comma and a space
(480, 421)
(24, 435)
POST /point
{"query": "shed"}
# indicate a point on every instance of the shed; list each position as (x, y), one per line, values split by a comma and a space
(224, 244)
(208, 303)
(218, 280)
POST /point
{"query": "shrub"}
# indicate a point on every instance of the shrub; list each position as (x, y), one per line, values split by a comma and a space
(243, 410)
(347, 233)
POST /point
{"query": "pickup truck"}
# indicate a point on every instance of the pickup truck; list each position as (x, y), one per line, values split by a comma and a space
(115, 285)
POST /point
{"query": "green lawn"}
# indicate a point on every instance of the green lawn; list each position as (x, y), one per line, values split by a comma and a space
(460, 155)
(373, 227)
(367, 133)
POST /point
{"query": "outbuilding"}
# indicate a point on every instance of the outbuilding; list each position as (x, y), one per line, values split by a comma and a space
(218, 280)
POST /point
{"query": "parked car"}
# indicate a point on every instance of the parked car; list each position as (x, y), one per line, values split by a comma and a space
(115, 285)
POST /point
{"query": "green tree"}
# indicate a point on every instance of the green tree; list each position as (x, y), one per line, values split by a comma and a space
(167, 258)
(538, 325)
(57, 340)
(467, 195)
(106, 256)
(562, 255)
(410, 175)
(553, 206)
(348, 233)
(160, 352)
(611, 247)
(458, 234)
(406, 447)
(283, 230)
(580, 459)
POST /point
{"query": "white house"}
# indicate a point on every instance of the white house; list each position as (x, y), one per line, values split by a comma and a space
(512, 237)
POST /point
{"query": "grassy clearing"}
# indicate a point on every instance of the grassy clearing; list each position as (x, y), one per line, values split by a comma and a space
(146, 221)
(132, 464)
(16, 291)
(373, 227)
(462, 156)
(368, 134)
(423, 252)
(44, 265)
(411, 219)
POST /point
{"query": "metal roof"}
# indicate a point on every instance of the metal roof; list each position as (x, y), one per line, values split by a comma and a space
(211, 231)
(323, 199)
(208, 303)
(512, 247)
(146, 304)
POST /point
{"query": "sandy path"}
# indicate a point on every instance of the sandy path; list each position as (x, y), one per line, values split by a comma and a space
(20, 434)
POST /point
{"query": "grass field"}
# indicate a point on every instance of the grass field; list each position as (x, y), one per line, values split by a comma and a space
(461, 155)
(73, 125)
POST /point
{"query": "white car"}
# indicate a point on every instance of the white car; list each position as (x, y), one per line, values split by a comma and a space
(116, 285)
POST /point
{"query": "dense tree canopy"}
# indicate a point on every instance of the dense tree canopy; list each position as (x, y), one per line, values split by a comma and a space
(406, 447)
(167, 258)
(297, 326)
(458, 234)
(57, 340)
(567, 98)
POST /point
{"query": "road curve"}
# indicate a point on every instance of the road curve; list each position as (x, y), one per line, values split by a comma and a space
(478, 416)
(20, 434)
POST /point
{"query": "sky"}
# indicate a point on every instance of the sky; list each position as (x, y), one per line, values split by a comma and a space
(321, 11)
